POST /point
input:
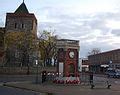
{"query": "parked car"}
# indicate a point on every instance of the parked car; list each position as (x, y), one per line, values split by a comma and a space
(113, 73)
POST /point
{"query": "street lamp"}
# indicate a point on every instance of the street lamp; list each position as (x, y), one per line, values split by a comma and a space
(36, 61)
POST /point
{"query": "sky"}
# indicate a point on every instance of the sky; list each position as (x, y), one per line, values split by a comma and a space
(95, 23)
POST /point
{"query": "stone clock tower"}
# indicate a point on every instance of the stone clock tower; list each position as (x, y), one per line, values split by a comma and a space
(68, 55)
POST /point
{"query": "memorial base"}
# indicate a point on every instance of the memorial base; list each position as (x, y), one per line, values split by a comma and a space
(67, 80)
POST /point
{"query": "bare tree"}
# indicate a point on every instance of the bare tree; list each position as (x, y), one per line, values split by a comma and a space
(94, 51)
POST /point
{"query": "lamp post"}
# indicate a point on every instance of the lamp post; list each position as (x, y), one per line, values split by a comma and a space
(36, 61)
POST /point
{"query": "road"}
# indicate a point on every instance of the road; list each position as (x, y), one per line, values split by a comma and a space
(16, 78)
(15, 91)
(105, 78)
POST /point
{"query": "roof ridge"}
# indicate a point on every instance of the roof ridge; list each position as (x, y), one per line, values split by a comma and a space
(22, 9)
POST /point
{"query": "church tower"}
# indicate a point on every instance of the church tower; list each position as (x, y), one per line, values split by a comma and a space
(20, 38)
(21, 20)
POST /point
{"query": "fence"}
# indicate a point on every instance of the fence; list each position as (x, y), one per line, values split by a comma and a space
(25, 70)
(85, 78)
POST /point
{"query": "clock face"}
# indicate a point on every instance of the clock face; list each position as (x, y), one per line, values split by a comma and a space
(71, 54)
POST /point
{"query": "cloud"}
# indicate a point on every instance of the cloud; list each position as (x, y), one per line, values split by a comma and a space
(92, 30)
(86, 47)
(1, 23)
(116, 32)
(113, 24)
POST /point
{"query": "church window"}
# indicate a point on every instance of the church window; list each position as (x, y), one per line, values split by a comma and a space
(22, 26)
(15, 25)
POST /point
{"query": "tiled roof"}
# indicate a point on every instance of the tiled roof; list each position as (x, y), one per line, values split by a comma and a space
(22, 9)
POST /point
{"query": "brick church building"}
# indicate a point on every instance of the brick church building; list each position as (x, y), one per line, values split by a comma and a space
(20, 37)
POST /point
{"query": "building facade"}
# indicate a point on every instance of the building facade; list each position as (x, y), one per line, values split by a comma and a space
(85, 64)
(100, 62)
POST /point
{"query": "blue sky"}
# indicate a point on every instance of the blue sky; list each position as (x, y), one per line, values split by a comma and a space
(95, 23)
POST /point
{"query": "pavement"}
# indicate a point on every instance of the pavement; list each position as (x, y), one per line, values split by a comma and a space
(64, 89)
